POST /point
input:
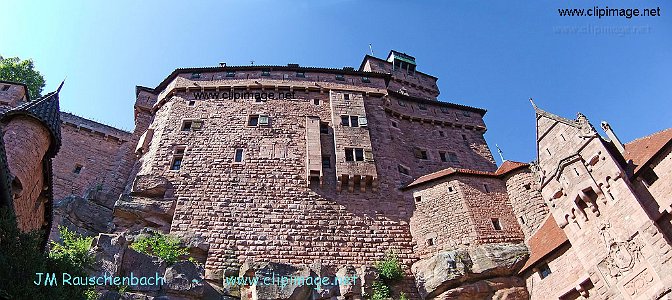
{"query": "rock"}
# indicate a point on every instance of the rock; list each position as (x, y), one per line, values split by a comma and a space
(509, 288)
(83, 216)
(108, 250)
(367, 275)
(349, 288)
(142, 265)
(450, 269)
(278, 290)
(150, 186)
(185, 278)
(137, 212)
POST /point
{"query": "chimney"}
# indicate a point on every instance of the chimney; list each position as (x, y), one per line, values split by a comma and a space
(612, 136)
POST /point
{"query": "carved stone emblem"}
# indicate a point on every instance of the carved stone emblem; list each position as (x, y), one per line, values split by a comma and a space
(621, 255)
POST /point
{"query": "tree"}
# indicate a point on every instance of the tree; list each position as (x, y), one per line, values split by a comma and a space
(23, 71)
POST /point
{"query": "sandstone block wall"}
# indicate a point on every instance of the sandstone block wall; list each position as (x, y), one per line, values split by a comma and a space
(526, 200)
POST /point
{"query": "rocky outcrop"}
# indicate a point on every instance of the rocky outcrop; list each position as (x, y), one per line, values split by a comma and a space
(133, 213)
(468, 269)
(88, 215)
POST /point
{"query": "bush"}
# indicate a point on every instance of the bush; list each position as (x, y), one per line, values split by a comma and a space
(380, 291)
(163, 246)
(390, 269)
(22, 257)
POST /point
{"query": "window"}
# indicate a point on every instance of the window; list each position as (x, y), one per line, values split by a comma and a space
(345, 120)
(366, 79)
(346, 96)
(422, 106)
(195, 75)
(192, 125)
(522, 220)
(324, 128)
(527, 186)
(326, 162)
(402, 103)
(316, 101)
(443, 156)
(340, 77)
(418, 198)
(549, 151)
(452, 157)
(444, 110)
(465, 113)
(266, 72)
(430, 242)
(486, 188)
(238, 156)
(253, 120)
(563, 137)
(648, 176)
(177, 163)
(544, 271)
(301, 74)
(464, 138)
(450, 189)
(354, 154)
(264, 120)
(403, 170)
(77, 169)
(192, 103)
(230, 74)
(495, 224)
(394, 124)
(354, 121)
(420, 153)
(5, 87)
(441, 133)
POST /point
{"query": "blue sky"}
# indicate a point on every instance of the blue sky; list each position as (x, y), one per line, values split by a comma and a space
(494, 55)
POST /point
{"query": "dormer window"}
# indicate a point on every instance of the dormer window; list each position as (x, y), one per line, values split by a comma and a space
(301, 74)
(266, 72)
(366, 79)
(340, 77)
(230, 74)
(195, 75)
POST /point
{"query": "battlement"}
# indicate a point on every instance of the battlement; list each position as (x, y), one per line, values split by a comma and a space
(95, 128)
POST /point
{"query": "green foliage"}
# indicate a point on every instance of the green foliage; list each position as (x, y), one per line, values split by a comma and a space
(22, 257)
(23, 71)
(163, 246)
(380, 291)
(390, 269)
(402, 296)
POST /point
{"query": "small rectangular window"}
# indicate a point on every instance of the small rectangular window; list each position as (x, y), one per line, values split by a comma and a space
(430, 242)
(326, 162)
(196, 125)
(340, 77)
(265, 72)
(316, 101)
(403, 170)
(238, 156)
(5, 87)
(177, 163)
(230, 74)
(441, 133)
(192, 103)
(186, 125)
(486, 188)
(443, 156)
(495, 224)
(450, 189)
(544, 271)
(345, 120)
(264, 120)
(346, 96)
(422, 106)
(418, 198)
(77, 169)
(195, 75)
(420, 153)
(363, 122)
(179, 150)
(359, 154)
(395, 125)
(354, 121)
(324, 128)
(366, 79)
(253, 120)
(464, 137)
(349, 154)
(301, 74)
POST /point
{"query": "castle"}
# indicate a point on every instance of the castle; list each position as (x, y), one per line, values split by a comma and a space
(323, 171)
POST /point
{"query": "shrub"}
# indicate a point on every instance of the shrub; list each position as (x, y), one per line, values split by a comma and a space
(390, 269)
(380, 291)
(163, 246)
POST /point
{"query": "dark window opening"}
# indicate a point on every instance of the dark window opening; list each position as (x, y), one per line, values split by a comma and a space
(420, 153)
(316, 101)
(441, 133)
(186, 125)
(366, 79)
(403, 170)
(349, 155)
(266, 73)
(253, 120)
(346, 96)
(422, 106)
(648, 176)
(430, 242)
(563, 137)
(418, 198)
(230, 74)
(340, 77)
(495, 224)
(177, 163)
(443, 156)
(544, 271)
(301, 74)
(486, 188)
(192, 103)
(549, 151)
(324, 128)
(5, 88)
(345, 120)
(464, 137)
(527, 186)
(450, 189)
(78, 169)
(239, 156)
(522, 220)
(195, 75)
(354, 121)
(326, 162)
(359, 154)
(354, 154)
(179, 150)
(395, 125)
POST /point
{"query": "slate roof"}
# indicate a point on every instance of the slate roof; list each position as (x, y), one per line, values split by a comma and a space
(642, 150)
(46, 110)
(504, 169)
(545, 241)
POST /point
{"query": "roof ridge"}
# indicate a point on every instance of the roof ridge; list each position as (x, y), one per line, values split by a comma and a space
(639, 139)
